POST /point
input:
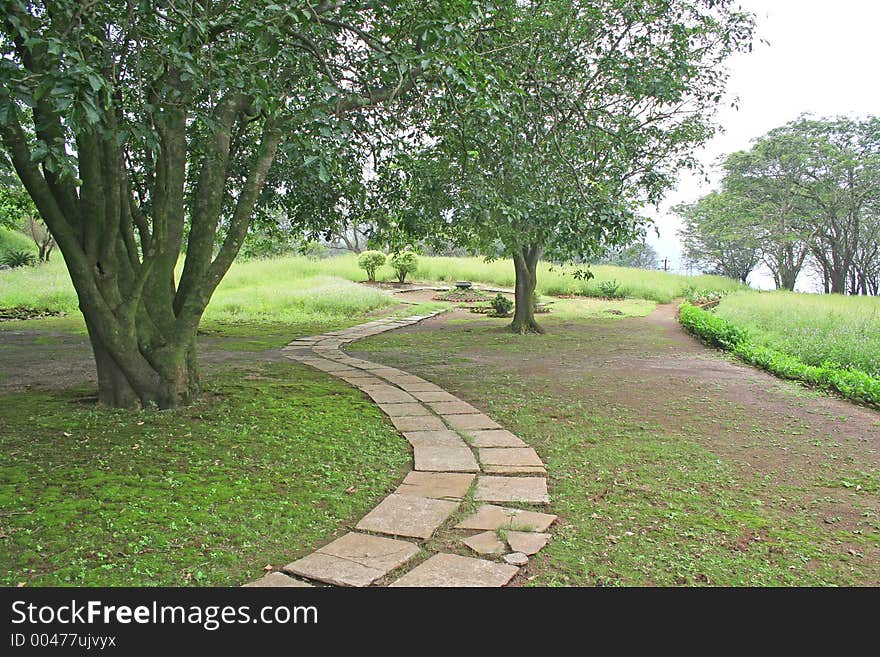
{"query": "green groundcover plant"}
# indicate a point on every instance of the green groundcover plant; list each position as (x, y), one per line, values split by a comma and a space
(851, 383)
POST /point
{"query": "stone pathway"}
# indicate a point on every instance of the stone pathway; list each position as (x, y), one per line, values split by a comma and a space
(458, 453)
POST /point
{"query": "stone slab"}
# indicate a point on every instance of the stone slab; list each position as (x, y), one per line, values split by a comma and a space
(452, 407)
(510, 456)
(494, 438)
(435, 396)
(333, 570)
(452, 570)
(485, 543)
(490, 516)
(424, 386)
(512, 489)
(439, 485)
(354, 560)
(278, 579)
(516, 559)
(404, 410)
(470, 421)
(514, 469)
(440, 438)
(418, 423)
(527, 542)
(445, 459)
(383, 394)
(406, 515)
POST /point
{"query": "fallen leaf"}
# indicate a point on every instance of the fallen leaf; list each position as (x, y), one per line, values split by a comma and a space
(267, 567)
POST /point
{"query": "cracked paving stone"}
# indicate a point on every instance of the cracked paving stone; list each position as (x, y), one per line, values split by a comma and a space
(510, 456)
(455, 570)
(528, 543)
(354, 560)
(490, 516)
(405, 515)
(485, 543)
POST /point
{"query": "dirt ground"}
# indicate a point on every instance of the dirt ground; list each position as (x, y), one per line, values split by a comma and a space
(798, 444)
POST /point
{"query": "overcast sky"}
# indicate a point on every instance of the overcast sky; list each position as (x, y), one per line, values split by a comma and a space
(822, 57)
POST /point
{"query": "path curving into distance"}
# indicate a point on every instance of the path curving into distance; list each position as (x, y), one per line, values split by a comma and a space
(458, 453)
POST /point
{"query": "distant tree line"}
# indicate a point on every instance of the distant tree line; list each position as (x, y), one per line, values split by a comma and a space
(806, 195)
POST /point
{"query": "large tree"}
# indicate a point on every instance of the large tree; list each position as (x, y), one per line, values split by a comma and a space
(719, 235)
(146, 129)
(766, 181)
(834, 167)
(592, 110)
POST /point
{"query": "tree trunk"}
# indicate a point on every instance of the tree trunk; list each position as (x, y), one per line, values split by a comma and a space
(525, 262)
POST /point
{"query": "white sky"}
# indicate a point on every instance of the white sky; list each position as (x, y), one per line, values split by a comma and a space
(822, 57)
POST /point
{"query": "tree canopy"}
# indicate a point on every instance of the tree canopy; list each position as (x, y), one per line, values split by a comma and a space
(594, 108)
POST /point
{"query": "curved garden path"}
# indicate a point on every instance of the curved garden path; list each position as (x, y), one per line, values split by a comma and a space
(469, 474)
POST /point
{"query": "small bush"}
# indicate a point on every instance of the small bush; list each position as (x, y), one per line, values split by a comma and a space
(370, 261)
(610, 289)
(18, 259)
(501, 305)
(404, 262)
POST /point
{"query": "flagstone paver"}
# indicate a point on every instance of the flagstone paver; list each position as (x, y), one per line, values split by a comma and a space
(444, 432)
(407, 515)
(512, 489)
(528, 543)
(452, 570)
(469, 421)
(485, 543)
(490, 516)
(418, 423)
(440, 438)
(445, 459)
(354, 560)
(440, 485)
(494, 438)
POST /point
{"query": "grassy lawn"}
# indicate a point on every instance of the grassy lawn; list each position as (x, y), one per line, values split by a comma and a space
(299, 288)
(815, 328)
(275, 460)
(661, 475)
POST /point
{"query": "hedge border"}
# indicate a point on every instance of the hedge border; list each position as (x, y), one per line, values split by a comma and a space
(852, 384)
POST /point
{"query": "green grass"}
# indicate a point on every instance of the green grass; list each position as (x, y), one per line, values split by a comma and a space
(13, 240)
(289, 290)
(294, 289)
(817, 329)
(275, 461)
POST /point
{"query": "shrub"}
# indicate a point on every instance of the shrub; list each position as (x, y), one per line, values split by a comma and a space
(371, 261)
(610, 289)
(404, 262)
(853, 384)
(501, 305)
(18, 259)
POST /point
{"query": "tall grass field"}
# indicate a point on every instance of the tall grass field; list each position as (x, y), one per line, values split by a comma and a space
(815, 328)
(301, 289)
